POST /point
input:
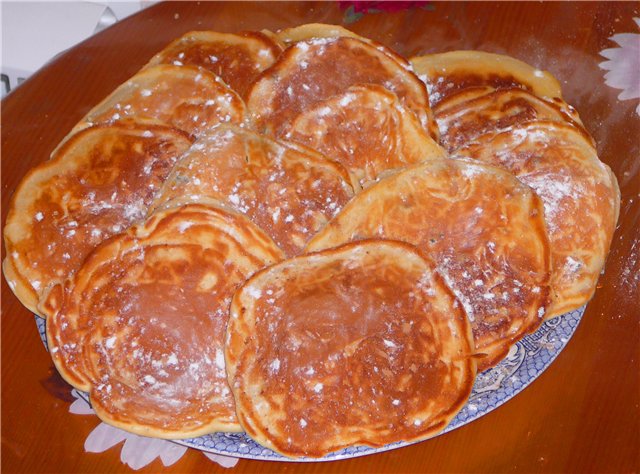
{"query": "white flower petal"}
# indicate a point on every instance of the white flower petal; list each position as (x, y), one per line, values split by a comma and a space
(631, 93)
(624, 65)
(612, 54)
(622, 79)
(139, 451)
(626, 40)
(224, 461)
(102, 438)
(172, 453)
(80, 407)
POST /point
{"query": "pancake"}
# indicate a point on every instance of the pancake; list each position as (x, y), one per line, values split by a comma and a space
(305, 74)
(287, 190)
(274, 38)
(462, 96)
(95, 185)
(236, 58)
(447, 73)
(497, 110)
(359, 345)
(580, 194)
(484, 229)
(143, 322)
(186, 97)
(367, 130)
(310, 31)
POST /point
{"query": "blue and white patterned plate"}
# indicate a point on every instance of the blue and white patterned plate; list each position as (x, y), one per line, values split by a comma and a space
(524, 363)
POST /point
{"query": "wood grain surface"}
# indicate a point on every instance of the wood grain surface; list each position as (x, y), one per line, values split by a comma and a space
(581, 415)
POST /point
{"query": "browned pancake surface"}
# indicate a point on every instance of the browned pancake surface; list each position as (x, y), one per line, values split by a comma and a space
(366, 129)
(484, 229)
(310, 31)
(580, 195)
(98, 183)
(189, 98)
(363, 344)
(236, 58)
(448, 73)
(143, 323)
(463, 120)
(306, 74)
(287, 190)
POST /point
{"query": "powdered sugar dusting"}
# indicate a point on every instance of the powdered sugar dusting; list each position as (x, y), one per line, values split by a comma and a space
(220, 364)
(451, 282)
(254, 292)
(554, 191)
(572, 265)
(110, 343)
(172, 359)
(274, 366)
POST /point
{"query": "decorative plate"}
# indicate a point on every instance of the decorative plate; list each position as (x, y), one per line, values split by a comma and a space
(524, 363)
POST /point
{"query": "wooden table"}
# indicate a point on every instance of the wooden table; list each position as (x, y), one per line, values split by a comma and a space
(581, 415)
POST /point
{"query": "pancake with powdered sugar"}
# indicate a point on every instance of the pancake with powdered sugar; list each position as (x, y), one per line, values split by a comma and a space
(288, 190)
(580, 195)
(95, 185)
(186, 97)
(236, 58)
(366, 129)
(484, 229)
(359, 345)
(143, 322)
(305, 74)
(468, 114)
(448, 73)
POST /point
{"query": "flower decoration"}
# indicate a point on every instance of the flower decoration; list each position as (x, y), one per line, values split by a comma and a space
(624, 65)
(137, 451)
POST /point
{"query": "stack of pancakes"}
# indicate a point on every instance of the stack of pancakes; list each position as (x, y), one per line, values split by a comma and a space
(304, 236)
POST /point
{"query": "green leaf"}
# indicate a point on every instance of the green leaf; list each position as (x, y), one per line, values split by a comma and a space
(350, 16)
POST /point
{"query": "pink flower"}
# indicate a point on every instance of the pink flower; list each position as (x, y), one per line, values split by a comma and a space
(375, 7)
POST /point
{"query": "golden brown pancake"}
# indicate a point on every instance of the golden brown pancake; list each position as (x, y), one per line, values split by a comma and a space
(360, 345)
(310, 31)
(236, 58)
(95, 185)
(580, 194)
(367, 130)
(448, 73)
(464, 95)
(143, 323)
(484, 229)
(306, 74)
(186, 97)
(274, 38)
(289, 191)
(464, 120)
